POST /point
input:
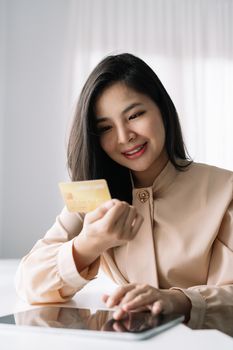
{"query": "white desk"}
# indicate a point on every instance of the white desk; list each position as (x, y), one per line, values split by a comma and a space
(179, 337)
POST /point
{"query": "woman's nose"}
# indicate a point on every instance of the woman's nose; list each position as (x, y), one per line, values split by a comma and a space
(125, 135)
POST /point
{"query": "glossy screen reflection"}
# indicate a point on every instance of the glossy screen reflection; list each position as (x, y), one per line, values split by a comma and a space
(73, 318)
(101, 320)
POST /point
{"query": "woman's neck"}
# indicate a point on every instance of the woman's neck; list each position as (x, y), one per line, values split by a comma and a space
(146, 178)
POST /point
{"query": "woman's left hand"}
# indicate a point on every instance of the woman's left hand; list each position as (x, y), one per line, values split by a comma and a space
(138, 297)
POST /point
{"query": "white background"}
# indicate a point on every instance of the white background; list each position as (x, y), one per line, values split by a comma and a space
(47, 49)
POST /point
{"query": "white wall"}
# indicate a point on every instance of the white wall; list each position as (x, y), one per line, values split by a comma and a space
(2, 91)
(48, 47)
(34, 109)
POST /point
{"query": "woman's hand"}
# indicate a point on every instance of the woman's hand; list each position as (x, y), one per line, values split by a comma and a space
(110, 225)
(133, 322)
(138, 297)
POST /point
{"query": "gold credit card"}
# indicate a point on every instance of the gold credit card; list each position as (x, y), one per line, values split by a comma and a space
(84, 196)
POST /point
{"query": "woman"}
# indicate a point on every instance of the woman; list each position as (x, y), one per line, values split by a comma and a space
(167, 236)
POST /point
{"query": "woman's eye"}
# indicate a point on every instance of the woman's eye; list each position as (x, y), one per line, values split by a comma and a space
(136, 115)
(103, 129)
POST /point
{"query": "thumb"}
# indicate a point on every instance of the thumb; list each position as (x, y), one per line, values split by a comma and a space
(99, 212)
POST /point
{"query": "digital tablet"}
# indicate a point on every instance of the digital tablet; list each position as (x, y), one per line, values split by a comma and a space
(81, 322)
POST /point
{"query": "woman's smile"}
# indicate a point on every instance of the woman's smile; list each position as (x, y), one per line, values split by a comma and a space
(135, 152)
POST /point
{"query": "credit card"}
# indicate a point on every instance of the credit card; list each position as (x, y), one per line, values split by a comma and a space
(84, 196)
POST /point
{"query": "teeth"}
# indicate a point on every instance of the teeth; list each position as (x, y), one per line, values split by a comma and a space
(135, 150)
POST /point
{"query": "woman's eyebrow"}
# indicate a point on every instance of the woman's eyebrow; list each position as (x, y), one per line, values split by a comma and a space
(101, 119)
(132, 105)
(127, 109)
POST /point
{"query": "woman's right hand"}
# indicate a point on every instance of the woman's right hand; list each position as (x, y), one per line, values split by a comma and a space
(112, 224)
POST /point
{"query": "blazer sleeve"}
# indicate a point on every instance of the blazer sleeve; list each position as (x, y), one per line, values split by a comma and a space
(48, 273)
(209, 301)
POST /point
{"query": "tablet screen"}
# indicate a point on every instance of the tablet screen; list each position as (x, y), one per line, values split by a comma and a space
(141, 324)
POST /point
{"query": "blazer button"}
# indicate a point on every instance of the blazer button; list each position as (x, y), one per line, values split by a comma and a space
(143, 196)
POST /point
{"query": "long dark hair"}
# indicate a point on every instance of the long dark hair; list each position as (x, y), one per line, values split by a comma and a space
(86, 159)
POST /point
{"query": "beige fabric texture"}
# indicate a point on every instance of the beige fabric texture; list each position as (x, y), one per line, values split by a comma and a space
(185, 242)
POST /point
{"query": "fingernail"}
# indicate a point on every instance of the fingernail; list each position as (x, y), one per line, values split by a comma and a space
(109, 302)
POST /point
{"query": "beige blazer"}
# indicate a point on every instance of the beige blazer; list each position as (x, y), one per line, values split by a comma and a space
(185, 242)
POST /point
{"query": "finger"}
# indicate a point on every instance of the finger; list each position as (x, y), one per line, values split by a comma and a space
(99, 212)
(105, 298)
(141, 300)
(119, 314)
(120, 223)
(133, 293)
(136, 226)
(131, 216)
(119, 293)
(157, 307)
(114, 214)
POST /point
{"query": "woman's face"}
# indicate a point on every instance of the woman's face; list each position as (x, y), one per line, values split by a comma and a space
(131, 129)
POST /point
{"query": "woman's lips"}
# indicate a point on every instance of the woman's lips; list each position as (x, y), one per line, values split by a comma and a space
(135, 152)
